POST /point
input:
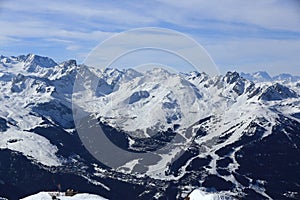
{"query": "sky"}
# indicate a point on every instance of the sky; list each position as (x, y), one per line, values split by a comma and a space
(245, 36)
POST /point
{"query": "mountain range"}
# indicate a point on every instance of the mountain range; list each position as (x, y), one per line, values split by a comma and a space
(235, 135)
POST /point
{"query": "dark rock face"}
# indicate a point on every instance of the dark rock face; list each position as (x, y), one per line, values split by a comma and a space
(254, 92)
(3, 124)
(239, 87)
(268, 163)
(231, 77)
(218, 183)
(273, 160)
(103, 88)
(58, 112)
(277, 92)
(238, 82)
(136, 96)
(18, 83)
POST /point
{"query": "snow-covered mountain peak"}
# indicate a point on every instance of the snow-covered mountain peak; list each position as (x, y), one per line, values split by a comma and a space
(220, 121)
(131, 73)
(232, 77)
(277, 91)
(159, 71)
(262, 76)
(68, 63)
(134, 96)
(36, 64)
(27, 64)
(286, 78)
(40, 60)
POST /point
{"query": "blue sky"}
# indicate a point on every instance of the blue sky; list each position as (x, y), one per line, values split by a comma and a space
(239, 35)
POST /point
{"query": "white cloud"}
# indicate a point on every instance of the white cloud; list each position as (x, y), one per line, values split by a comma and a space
(58, 40)
(235, 32)
(78, 9)
(73, 47)
(6, 40)
(270, 14)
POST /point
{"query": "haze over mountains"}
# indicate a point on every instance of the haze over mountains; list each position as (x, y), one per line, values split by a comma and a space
(239, 134)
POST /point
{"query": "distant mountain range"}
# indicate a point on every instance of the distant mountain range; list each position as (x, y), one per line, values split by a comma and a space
(240, 132)
(263, 76)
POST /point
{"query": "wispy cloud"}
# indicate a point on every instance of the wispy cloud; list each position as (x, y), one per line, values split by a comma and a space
(235, 32)
(73, 47)
(269, 14)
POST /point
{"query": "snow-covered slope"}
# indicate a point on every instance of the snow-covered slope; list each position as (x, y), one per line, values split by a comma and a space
(200, 195)
(48, 196)
(155, 100)
(220, 121)
(26, 91)
(31, 145)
